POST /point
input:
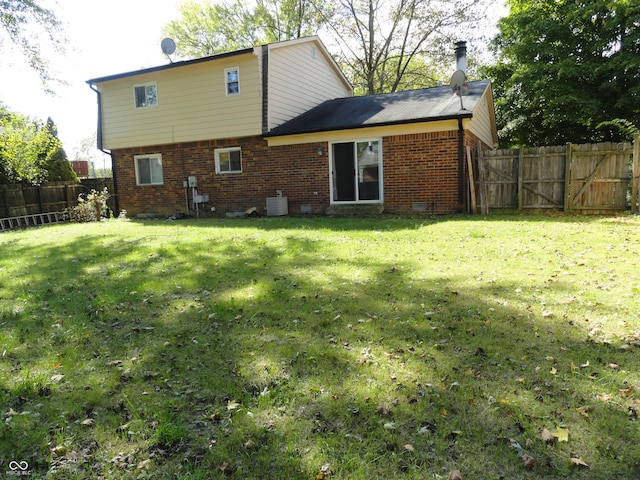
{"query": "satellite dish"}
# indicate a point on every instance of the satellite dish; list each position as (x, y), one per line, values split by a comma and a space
(459, 85)
(168, 47)
(458, 82)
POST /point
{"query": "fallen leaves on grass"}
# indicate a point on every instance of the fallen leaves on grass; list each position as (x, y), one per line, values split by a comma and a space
(528, 462)
(578, 462)
(560, 435)
(324, 472)
(626, 392)
(455, 475)
(547, 436)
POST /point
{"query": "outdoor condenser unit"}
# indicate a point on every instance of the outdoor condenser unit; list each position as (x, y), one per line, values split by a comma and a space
(277, 206)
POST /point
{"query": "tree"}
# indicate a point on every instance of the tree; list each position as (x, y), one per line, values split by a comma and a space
(99, 162)
(27, 25)
(30, 151)
(54, 159)
(563, 68)
(384, 46)
(208, 28)
(400, 45)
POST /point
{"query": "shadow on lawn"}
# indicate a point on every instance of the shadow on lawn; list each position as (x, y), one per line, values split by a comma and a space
(384, 222)
(244, 358)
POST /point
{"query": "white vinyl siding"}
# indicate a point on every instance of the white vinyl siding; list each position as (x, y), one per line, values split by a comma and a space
(301, 77)
(480, 124)
(194, 105)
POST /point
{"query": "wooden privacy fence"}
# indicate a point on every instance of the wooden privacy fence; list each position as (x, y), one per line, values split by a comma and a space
(23, 205)
(587, 179)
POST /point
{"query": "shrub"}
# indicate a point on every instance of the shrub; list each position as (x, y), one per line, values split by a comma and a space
(91, 209)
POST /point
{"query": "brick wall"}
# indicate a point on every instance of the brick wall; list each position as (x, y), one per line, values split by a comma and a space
(421, 169)
(418, 169)
(298, 171)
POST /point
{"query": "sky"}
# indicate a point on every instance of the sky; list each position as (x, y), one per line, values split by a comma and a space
(104, 38)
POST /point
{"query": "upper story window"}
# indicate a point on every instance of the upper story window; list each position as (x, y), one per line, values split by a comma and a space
(232, 81)
(228, 160)
(146, 95)
(148, 169)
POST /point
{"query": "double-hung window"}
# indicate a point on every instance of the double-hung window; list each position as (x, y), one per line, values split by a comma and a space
(232, 81)
(149, 169)
(228, 160)
(146, 95)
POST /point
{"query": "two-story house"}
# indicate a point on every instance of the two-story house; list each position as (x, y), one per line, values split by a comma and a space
(224, 133)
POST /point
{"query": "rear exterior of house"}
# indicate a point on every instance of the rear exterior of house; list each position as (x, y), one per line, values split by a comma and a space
(225, 133)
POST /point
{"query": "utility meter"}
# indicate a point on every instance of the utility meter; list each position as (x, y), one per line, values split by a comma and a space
(193, 182)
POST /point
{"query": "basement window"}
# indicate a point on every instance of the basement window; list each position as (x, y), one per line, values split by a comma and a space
(148, 169)
(228, 160)
(146, 95)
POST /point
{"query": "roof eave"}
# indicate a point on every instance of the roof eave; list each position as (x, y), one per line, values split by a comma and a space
(170, 66)
(460, 115)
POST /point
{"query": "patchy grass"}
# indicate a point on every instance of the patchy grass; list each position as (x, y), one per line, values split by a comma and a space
(314, 348)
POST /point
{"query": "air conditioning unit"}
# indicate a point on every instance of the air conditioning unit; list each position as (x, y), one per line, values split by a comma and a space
(277, 206)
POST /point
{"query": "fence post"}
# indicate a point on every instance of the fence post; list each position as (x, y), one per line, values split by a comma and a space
(567, 178)
(635, 173)
(520, 169)
(5, 212)
(484, 200)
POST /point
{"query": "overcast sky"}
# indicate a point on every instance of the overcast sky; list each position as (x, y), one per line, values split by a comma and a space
(104, 38)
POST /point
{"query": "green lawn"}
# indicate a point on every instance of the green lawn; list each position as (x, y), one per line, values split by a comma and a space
(505, 347)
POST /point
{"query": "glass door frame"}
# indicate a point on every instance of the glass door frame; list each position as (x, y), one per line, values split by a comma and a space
(358, 172)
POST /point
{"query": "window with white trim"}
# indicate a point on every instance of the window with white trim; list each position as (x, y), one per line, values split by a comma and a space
(146, 95)
(232, 81)
(148, 169)
(228, 160)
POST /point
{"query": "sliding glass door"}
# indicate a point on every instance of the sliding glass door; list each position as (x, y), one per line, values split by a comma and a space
(356, 171)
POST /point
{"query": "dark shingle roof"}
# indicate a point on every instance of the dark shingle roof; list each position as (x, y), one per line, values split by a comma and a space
(425, 105)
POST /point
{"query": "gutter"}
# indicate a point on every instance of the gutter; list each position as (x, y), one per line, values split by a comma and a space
(99, 146)
(170, 66)
(335, 128)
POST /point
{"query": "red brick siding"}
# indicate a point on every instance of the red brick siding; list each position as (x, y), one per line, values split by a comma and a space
(421, 168)
(417, 168)
(297, 170)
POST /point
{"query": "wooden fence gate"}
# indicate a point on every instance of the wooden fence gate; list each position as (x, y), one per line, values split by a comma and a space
(588, 179)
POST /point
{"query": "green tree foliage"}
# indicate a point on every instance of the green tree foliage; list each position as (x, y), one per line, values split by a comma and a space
(208, 28)
(27, 25)
(30, 151)
(564, 67)
(401, 45)
(384, 46)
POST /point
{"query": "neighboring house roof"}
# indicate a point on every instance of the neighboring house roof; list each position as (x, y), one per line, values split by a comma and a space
(425, 105)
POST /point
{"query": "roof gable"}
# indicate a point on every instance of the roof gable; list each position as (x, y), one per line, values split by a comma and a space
(424, 105)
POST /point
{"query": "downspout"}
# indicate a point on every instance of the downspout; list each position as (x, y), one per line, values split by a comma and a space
(461, 65)
(265, 89)
(460, 164)
(100, 147)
